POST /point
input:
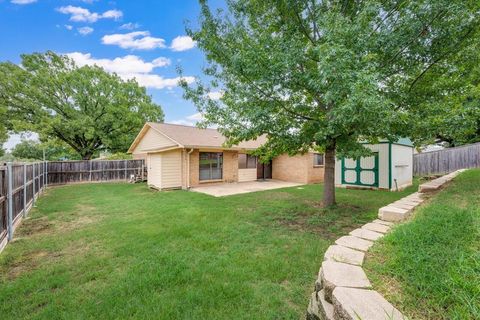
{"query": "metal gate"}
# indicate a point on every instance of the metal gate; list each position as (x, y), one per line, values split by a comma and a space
(361, 172)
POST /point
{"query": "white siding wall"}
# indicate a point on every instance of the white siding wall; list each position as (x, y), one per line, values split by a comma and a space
(402, 166)
(247, 175)
(172, 169)
(154, 178)
(153, 140)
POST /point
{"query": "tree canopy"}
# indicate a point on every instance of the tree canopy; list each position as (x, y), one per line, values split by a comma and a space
(327, 74)
(34, 150)
(84, 107)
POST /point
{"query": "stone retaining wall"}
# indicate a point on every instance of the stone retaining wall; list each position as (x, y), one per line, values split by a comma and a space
(342, 290)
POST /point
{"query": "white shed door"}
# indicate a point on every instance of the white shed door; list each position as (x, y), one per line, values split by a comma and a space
(154, 177)
(361, 172)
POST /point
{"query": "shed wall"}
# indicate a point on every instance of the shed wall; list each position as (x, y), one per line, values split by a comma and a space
(402, 166)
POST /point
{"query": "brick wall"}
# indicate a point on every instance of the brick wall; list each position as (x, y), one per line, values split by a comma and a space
(298, 168)
(230, 167)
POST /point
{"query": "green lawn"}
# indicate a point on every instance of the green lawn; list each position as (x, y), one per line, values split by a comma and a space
(430, 267)
(105, 251)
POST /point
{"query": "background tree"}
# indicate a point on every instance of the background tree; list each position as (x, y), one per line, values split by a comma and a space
(454, 117)
(326, 74)
(34, 150)
(86, 108)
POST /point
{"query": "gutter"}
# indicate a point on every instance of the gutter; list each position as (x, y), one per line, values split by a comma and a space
(188, 168)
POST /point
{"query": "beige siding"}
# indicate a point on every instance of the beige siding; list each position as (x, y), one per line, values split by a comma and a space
(247, 175)
(171, 169)
(154, 178)
(152, 140)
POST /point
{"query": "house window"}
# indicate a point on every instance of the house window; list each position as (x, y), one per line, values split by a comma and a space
(318, 159)
(211, 165)
(246, 161)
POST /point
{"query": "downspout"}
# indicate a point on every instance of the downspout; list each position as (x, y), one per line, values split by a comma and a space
(188, 168)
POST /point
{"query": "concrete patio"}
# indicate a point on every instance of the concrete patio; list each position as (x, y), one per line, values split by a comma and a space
(228, 189)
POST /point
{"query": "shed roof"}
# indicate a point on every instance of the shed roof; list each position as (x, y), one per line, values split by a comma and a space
(194, 137)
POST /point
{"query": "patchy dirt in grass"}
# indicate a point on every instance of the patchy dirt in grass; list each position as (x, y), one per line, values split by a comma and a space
(330, 223)
(30, 227)
(24, 263)
(78, 223)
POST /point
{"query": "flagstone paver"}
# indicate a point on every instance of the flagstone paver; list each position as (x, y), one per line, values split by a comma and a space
(354, 243)
(377, 227)
(343, 254)
(366, 234)
(354, 304)
(337, 274)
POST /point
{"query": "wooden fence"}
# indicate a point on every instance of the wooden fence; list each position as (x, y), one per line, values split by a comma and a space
(63, 172)
(446, 160)
(21, 184)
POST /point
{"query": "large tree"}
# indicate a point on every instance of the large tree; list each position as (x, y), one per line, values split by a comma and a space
(325, 75)
(86, 108)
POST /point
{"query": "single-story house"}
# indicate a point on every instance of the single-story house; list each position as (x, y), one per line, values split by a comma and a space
(179, 156)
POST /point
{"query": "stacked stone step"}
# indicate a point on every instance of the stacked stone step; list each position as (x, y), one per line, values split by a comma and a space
(401, 209)
(342, 290)
(436, 184)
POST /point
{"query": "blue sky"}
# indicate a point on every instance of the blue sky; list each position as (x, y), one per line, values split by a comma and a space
(144, 39)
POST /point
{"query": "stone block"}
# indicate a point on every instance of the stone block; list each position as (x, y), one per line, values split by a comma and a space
(393, 214)
(385, 223)
(337, 274)
(377, 227)
(343, 254)
(354, 304)
(325, 308)
(366, 234)
(354, 243)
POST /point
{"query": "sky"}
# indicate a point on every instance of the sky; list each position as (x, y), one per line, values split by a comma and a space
(142, 39)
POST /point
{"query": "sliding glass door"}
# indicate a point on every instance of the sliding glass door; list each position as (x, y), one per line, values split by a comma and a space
(211, 166)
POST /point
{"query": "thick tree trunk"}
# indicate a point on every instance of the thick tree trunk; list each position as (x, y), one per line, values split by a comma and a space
(329, 177)
(87, 156)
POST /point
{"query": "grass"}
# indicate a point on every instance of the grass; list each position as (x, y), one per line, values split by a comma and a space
(110, 251)
(429, 268)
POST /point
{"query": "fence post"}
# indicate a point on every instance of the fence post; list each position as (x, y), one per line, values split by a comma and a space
(24, 190)
(10, 201)
(33, 184)
(90, 175)
(126, 178)
(46, 173)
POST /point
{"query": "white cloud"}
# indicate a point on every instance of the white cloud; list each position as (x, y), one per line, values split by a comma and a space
(129, 26)
(68, 27)
(215, 95)
(156, 81)
(139, 40)
(190, 120)
(85, 30)
(132, 67)
(79, 14)
(182, 43)
(21, 2)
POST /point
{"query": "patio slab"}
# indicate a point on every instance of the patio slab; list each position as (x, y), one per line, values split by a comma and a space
(228, 189)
